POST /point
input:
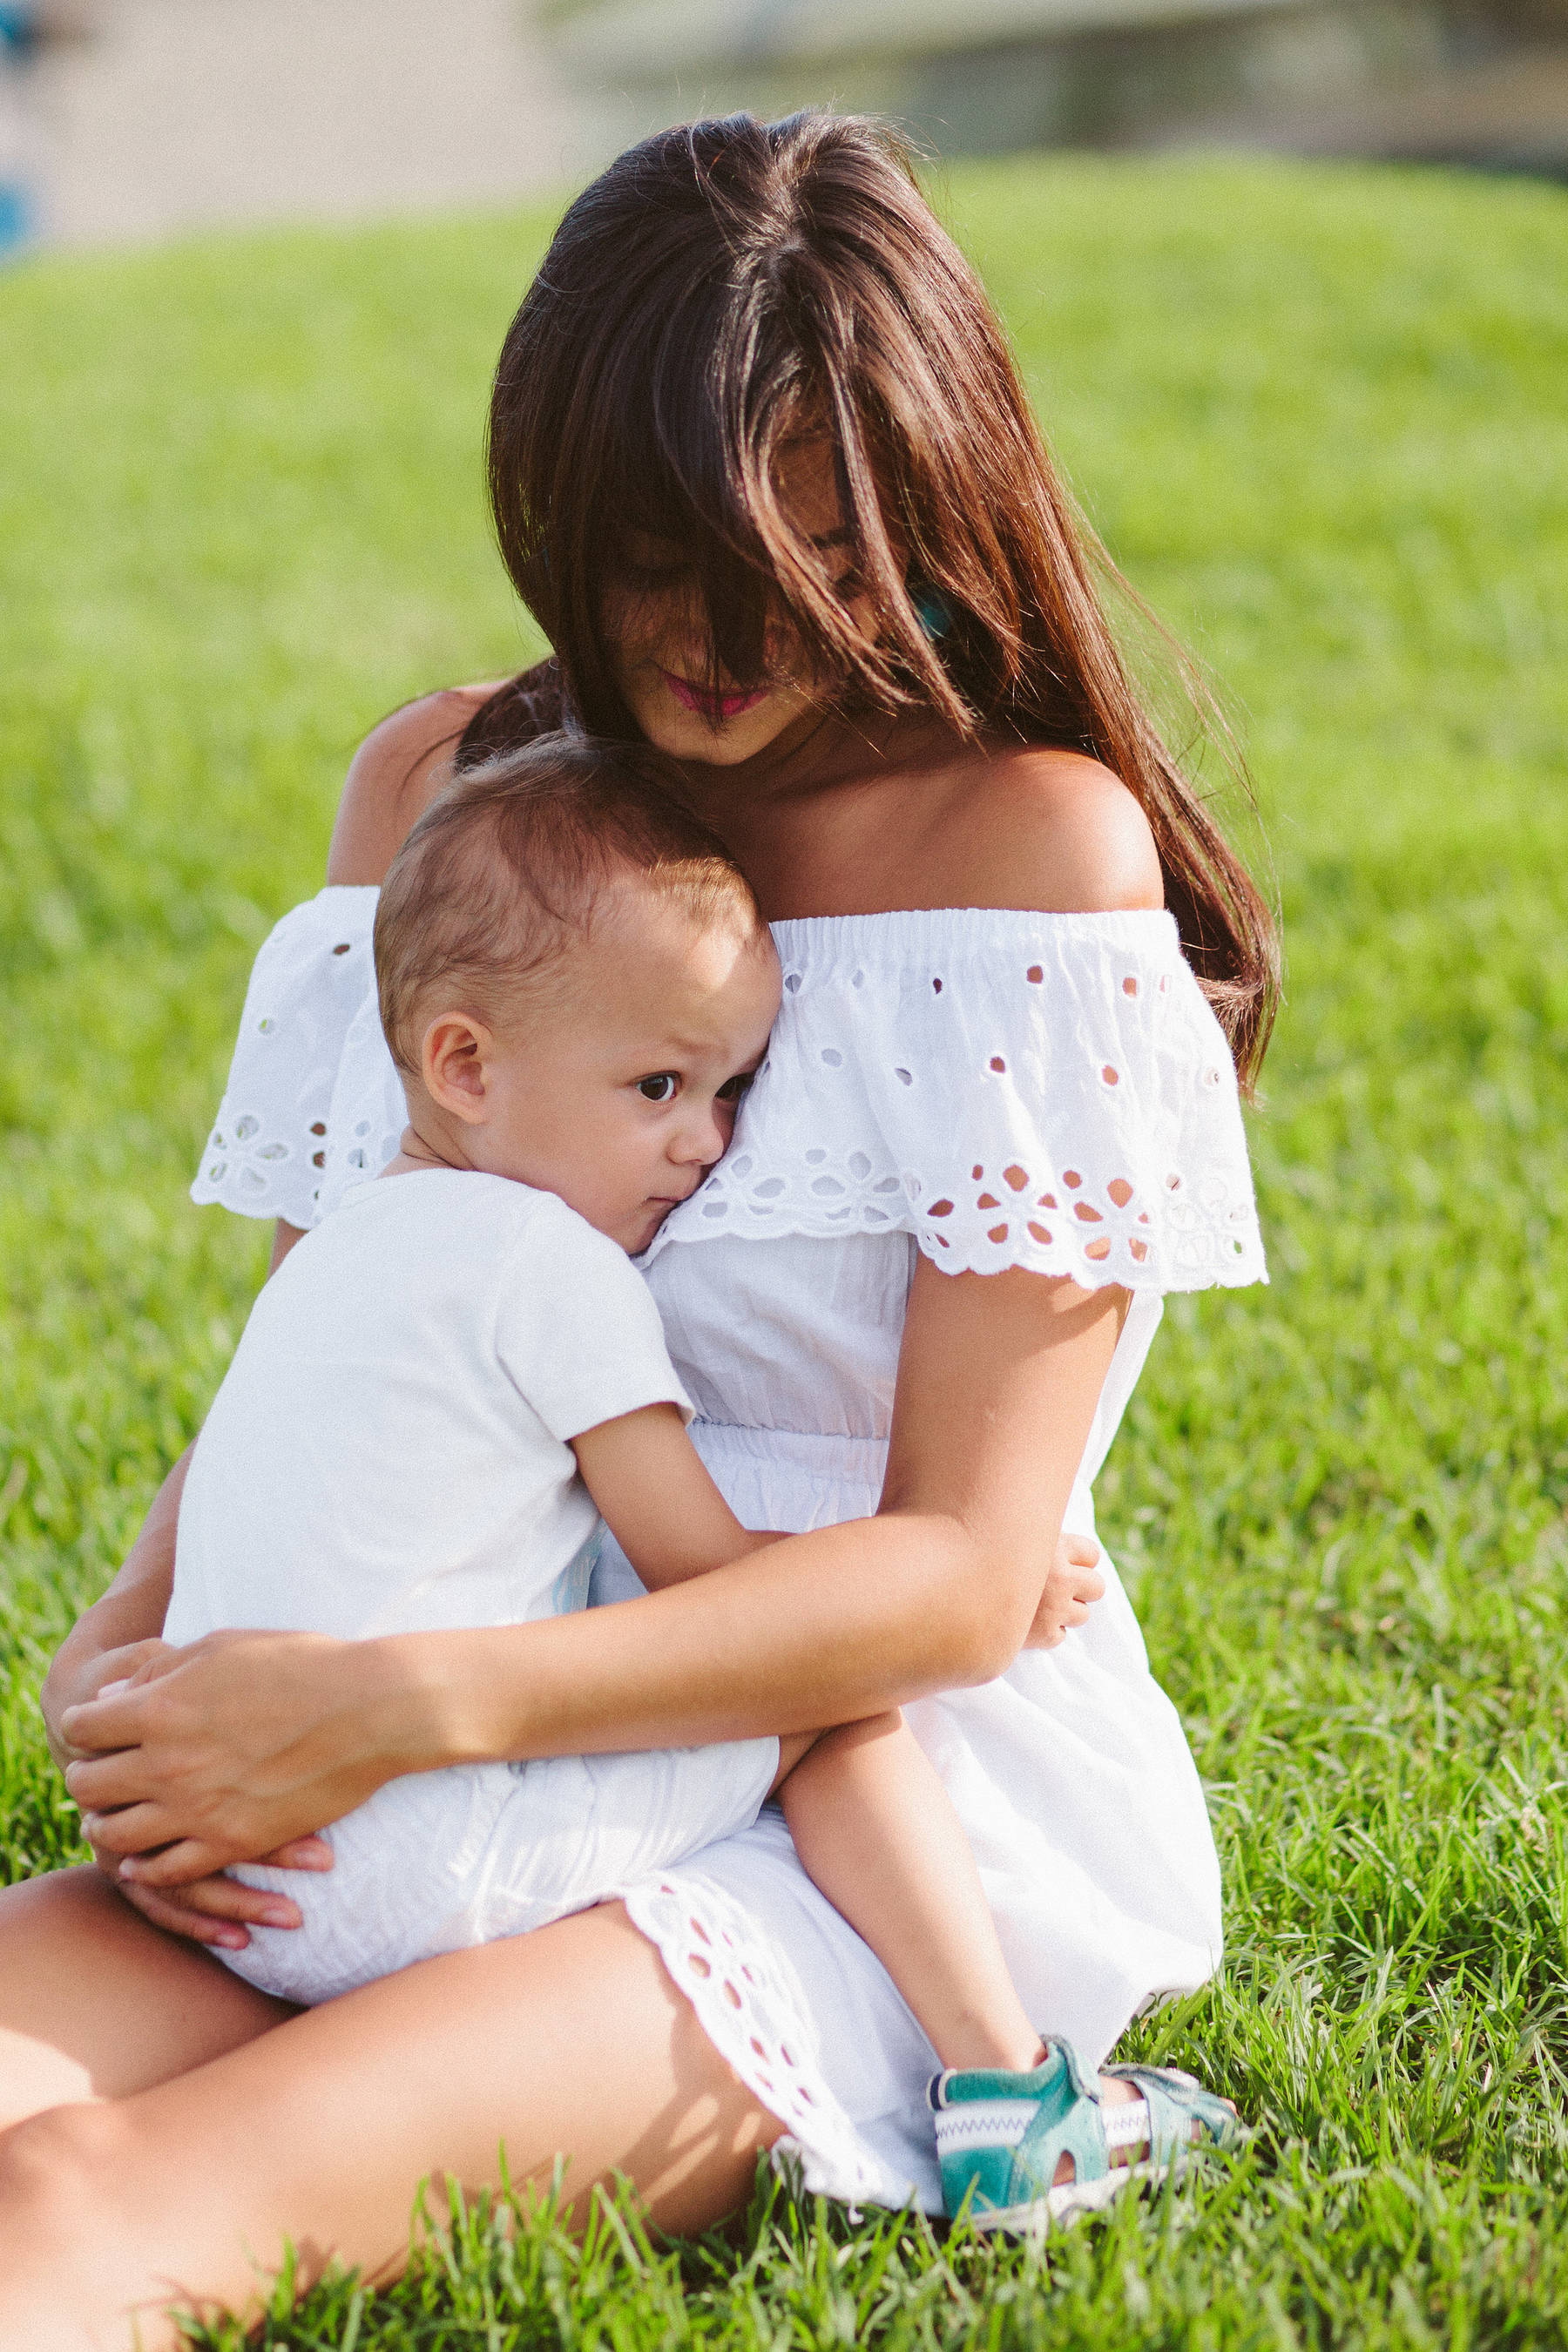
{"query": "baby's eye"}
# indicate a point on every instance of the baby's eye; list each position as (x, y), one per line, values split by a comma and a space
(660, 1089)
(733, 1088)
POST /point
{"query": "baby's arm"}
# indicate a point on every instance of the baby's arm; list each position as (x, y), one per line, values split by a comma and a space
(657, 1500)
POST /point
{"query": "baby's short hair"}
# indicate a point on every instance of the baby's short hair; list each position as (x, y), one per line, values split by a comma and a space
(499, 876)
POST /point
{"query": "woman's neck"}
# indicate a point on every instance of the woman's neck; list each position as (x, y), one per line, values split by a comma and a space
(821, 751)
(839, 816)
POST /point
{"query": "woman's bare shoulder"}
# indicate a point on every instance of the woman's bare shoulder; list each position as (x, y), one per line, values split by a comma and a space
(1030, 826)
(393, 777)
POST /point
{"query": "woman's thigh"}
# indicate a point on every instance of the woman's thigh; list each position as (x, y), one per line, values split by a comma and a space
(94, 2003)
(569, 2042)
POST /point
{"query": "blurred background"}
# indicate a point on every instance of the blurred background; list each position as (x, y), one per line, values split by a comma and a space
(123, 120)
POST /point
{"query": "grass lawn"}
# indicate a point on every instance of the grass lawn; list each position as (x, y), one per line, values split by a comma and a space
(1319, 416)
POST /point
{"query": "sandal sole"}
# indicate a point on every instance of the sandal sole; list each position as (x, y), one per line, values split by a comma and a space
(1061, 2207)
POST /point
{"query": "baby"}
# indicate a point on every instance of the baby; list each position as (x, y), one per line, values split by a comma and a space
(455, 1382)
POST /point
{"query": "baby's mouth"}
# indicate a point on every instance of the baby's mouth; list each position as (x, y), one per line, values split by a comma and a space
(716, 709)
(665, 1202)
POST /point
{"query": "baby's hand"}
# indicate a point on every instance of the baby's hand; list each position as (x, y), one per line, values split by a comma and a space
(220, 1910)
(1073, 1585)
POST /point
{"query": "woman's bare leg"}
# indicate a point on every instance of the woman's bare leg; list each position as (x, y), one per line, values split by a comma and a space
(94, 2003)
(571, 2041)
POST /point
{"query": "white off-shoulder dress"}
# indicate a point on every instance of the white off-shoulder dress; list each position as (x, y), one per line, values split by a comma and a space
(990, 1089)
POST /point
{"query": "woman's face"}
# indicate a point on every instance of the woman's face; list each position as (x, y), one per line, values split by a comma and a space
(656, 622)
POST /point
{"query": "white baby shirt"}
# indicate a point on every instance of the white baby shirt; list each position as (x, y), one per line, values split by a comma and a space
(388, 1450)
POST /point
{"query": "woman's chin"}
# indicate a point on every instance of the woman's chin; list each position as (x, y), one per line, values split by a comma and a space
(684, 735)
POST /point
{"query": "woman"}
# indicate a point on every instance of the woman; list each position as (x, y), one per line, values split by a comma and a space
(761, 465)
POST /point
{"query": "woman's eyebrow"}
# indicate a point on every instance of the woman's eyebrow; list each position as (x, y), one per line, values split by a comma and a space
(841, 538)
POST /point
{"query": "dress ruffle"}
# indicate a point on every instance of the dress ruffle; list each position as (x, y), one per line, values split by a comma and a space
(1047, 1091)
(311, 994)
(1013, 1089)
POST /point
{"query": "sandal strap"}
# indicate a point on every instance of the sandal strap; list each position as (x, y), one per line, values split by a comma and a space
(1067, 2119)
(1001, 2137)
(1078, 2133)
(1176, 2102)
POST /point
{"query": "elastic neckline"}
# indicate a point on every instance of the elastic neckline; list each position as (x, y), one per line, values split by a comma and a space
(1128, 926)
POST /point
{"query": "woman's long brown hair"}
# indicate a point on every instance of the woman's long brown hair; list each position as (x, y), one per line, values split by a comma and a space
(728, 289)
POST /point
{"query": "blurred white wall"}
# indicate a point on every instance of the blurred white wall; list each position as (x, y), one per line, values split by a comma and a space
(125, 120)
(171, 115)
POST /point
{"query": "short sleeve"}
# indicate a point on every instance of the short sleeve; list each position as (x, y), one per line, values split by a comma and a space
(311, 983)
(576, 1328)
(1045, 1091)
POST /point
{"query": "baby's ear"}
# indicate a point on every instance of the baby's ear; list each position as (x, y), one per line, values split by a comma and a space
(452, 1064)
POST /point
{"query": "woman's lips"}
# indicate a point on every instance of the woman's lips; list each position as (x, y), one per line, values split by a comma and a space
(714, 708)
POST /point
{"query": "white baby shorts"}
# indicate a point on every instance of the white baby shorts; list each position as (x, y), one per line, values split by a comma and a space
(439, 1861)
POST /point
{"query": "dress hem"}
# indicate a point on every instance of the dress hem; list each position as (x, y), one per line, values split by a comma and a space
(717, 1960)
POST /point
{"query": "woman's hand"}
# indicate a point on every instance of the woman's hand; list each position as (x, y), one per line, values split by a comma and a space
(217, 1910)
(1071, 1589)
(235, 1749)
(115, 1647)
(105, 1670)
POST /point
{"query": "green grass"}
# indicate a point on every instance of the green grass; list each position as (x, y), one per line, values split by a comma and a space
(1319, 416)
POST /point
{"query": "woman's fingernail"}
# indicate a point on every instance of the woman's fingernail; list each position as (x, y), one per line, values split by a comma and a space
(275, 1915)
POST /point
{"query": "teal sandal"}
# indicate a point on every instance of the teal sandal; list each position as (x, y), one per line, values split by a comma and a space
(1000, 2136)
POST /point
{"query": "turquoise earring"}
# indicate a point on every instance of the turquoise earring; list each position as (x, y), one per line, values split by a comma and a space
(935, 612)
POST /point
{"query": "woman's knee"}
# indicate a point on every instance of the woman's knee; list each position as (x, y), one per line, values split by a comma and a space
(72, 2219)
(60, 2173)
(80, 1894)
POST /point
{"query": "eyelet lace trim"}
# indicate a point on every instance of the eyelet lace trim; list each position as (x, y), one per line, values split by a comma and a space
(241, 1155)
(1049, 1091)
(1045, 1091)
(715, 1955)
(277, 1135)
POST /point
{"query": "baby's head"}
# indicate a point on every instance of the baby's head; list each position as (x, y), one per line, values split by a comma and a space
(575, 981)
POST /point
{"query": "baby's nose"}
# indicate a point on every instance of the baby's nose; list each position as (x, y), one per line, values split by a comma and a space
(701, 1137)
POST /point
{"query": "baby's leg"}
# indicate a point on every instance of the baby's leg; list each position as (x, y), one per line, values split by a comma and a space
(876, 1830)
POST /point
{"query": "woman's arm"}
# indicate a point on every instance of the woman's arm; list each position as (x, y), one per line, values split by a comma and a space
(245, 1740)
(121, 1632)
(998, 1380)
(119, 1637)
